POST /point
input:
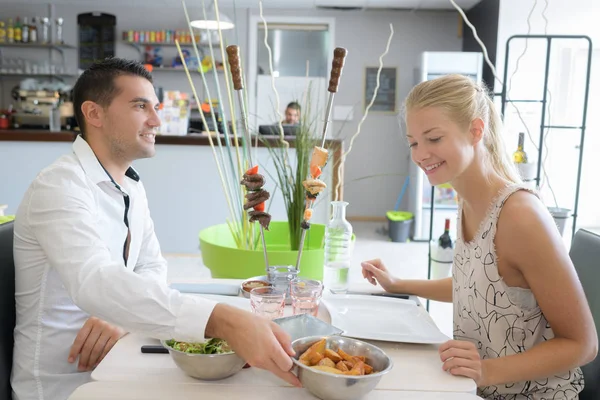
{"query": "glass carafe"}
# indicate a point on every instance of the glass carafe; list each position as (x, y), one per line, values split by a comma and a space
(338, 249)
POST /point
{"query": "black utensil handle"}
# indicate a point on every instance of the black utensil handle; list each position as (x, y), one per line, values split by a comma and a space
(394, 295)
(154, 349)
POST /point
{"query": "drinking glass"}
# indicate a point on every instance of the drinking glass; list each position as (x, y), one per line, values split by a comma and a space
(306, 296)
(267, 302)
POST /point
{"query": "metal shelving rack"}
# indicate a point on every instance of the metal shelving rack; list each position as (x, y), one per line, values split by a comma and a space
(56, 46)
(59, 47)
(543, 125)
(140, 46)
(543, 102)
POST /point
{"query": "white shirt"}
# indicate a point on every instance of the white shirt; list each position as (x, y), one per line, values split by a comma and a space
(70, 234)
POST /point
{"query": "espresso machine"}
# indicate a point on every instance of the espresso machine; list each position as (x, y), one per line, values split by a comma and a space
(35, 109)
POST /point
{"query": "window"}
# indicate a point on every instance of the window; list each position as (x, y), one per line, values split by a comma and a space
(293, 46)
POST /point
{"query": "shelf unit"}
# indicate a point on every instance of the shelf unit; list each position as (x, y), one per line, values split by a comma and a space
(543, 125)
(139, 46)
(544, 101)
(57, 46)
(42, 75)
(165, 44)
(176, 69)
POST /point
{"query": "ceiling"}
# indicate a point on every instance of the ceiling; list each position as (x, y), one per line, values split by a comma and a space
(307, 4)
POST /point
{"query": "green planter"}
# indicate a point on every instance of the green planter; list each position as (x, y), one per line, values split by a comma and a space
(226, 261)
(6, 218)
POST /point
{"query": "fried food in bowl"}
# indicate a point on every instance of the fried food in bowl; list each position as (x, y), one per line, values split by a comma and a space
(339, 368)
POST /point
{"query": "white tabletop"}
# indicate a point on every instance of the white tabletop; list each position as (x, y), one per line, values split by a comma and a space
(161, 391)
(416, 367)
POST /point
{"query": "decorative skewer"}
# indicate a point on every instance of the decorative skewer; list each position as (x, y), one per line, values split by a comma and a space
(253, 181)
(313, 185)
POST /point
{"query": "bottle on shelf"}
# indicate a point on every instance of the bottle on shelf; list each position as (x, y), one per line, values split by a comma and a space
(33, 37)
(519, 156)
(442, 254)
(59, 30)
(18, 32)
(45, 37)
(526, 168)
(10, 31)
(2, 32)
(25, 31)
(338, 249)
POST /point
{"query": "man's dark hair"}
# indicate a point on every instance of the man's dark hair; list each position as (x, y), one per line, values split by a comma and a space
(294, 106)
(97, 83)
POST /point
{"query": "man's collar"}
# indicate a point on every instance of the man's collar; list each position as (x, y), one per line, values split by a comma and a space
(91, 165)
(132, 174)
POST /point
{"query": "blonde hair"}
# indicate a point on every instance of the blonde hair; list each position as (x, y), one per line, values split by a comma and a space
(463, 100)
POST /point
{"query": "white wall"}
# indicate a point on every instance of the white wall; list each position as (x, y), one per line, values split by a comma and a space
(566, 85)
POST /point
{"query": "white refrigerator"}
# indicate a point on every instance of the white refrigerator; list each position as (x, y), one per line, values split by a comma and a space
(435, 64)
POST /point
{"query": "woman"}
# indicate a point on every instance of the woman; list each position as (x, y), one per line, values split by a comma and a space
(522, 325)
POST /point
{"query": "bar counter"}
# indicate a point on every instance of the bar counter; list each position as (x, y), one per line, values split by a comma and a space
(182, 181)
(40, 135)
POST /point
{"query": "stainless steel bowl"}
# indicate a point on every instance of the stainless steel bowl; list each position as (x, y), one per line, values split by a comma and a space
(328, 386)
(209, 367)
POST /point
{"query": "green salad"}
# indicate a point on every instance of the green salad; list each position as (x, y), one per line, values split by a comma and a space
(212, 346)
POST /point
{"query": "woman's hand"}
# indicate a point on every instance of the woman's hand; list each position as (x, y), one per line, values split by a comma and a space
(461, 358)
(375, 272)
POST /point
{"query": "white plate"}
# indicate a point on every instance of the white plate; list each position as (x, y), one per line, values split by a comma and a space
(239, 302)
(382, 318)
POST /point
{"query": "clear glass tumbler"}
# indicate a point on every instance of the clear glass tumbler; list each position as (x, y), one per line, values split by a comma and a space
(306, 296)
(267, 302)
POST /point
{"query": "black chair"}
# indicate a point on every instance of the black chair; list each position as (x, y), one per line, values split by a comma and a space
(585, 254)
(7, 308)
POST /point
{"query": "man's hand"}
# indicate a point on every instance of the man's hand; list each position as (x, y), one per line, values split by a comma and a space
(260, 342)
(93, 342)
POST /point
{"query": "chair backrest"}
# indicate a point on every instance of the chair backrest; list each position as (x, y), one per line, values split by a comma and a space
(7, 308)
(585, 254)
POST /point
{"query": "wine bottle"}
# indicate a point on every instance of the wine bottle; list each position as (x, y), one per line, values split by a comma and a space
(18, 37)
(519, 156)
(445, 241)
(442, 255)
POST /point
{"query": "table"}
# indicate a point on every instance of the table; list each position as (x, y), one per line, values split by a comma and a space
(416, 367)
(161, 391)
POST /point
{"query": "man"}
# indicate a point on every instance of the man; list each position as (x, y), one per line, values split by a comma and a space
(88, 263)
(292, 114)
